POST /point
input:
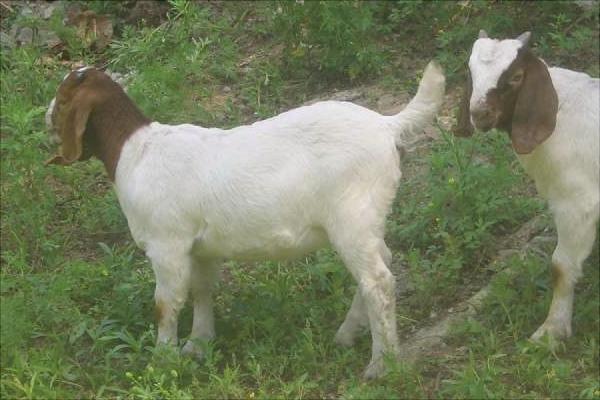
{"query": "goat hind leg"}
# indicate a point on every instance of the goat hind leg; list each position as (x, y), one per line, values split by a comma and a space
(357, 319)
(376, 287)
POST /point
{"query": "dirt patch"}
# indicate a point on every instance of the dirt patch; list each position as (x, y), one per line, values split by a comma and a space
(428, 340)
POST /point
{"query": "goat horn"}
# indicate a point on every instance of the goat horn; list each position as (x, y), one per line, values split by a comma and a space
(483, 34)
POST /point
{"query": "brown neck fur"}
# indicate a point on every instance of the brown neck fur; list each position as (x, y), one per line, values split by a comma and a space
(109, 126)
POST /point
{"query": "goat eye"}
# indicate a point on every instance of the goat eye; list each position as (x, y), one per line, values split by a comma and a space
(516, 78)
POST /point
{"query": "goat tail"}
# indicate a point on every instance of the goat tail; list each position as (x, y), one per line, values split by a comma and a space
(423, 107)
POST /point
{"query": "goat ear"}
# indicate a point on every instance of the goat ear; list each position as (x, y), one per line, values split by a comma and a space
(71, 127)
(463, 120)
(534, 117)
(524, 38)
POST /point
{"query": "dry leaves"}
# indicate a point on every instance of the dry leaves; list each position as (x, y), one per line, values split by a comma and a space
(93, 29)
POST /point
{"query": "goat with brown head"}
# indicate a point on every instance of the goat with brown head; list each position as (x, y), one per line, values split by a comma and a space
(510, 89)
(92, 116)
(195, 196)
(551, 115)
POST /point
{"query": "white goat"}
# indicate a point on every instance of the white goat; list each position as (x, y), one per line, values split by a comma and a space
(276, 189)
(551, 115)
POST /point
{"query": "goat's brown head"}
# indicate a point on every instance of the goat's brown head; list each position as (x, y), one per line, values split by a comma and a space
(510, 89)
(91, 116)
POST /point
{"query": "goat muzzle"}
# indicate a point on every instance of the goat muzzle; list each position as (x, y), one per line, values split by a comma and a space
(483, 118)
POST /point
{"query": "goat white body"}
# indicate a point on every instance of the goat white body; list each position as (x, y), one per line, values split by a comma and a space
(269, 190)
(276, 189)
(557, 142)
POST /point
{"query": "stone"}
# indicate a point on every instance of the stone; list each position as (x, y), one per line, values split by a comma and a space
(25, 36)
(6, 41)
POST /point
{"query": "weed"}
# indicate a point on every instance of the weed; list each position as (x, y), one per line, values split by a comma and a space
(336, 39)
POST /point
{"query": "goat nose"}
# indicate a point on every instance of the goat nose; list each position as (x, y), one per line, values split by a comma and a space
(482, 118)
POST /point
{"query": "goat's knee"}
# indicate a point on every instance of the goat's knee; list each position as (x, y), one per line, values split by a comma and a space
(380, 283)
(565, 273)
(378, 292)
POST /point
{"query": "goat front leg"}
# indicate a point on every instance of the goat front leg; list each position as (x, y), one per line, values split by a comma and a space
(203, 279)
(172, 264)
(576, 236)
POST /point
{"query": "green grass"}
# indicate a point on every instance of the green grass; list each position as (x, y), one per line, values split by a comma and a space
(77, 296)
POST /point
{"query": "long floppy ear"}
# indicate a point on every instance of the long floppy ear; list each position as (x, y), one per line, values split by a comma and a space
(71, 129)
(463, 120)
(534, 117)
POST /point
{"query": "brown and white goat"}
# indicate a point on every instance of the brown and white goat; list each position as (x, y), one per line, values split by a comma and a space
(277, 189)
(551, 115)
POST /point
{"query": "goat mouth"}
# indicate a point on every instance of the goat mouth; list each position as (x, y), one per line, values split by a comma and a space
(484, 125)
(54, 137)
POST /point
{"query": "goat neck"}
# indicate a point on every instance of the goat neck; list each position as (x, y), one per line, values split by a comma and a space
(109, 127)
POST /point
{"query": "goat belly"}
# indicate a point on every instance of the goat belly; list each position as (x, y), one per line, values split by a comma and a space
(277, 245)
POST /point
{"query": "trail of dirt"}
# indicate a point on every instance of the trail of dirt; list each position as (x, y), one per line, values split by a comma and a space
(430, 337)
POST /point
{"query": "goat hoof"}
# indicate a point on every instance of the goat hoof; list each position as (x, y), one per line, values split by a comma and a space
(344, 338)
(553, 330)
(193, 349)
(375, 369)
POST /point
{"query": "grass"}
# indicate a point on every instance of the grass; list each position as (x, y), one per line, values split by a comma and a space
(77, 318)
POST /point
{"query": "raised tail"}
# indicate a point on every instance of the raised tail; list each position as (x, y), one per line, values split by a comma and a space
(423, 107)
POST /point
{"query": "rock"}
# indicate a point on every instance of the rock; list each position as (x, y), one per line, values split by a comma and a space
(24, 36)
(587, 5)
(26, 11)
(48, 38)
(121, 79)
(47, 9)
(6, 41)
(93, 29)
(151, 12)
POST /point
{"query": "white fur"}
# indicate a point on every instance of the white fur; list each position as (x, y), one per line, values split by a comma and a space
(277, 189)
(54, 136)
(565, 168)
